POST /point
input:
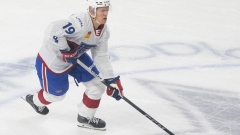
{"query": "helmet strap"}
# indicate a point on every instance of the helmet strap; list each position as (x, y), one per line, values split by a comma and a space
(95, 14)
(97, 21)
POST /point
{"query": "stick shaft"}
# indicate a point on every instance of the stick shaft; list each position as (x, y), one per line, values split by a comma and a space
(127, 100)
(147, 115)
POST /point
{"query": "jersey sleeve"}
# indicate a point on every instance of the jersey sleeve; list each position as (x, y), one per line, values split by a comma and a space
(56, 37)
(101, 57)
(58, 32)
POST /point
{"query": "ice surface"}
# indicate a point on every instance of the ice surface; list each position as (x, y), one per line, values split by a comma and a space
(178, 61)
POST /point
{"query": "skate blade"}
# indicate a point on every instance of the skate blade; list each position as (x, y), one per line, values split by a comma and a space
(23, 97)
(43, 111)
(90, 127)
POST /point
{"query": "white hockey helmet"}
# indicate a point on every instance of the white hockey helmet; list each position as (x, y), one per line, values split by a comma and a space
(98, 3)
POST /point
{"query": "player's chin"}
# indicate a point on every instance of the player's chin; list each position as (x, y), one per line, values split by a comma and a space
(104, 20)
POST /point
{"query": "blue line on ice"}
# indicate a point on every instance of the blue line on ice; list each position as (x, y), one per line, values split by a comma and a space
(9, 99)
(183, 68)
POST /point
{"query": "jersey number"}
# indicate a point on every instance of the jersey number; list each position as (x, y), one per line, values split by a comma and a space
(69, 28)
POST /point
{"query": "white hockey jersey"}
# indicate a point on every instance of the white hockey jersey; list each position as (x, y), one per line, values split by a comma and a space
(78, 29)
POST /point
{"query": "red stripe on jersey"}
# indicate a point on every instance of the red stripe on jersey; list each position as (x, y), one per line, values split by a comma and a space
(44, 78)
(42, 99)
(90, 103)
(51, 70)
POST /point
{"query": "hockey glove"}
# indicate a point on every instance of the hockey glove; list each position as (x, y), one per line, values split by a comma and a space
(70, 56)
(114, 87)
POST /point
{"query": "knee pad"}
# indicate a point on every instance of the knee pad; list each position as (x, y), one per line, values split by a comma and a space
(94, 88)
(43, 98)
(53, 98)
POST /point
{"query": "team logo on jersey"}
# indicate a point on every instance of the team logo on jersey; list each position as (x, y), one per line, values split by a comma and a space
(87, 36)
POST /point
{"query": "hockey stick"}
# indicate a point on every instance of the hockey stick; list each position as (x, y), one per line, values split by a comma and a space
(125, 99)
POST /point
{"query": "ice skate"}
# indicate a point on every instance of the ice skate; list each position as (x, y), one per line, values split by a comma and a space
(39, 109)
(91, 123)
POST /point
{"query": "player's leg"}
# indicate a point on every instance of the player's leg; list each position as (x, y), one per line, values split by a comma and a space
(54, 87)
(92, 95)
(90, 103)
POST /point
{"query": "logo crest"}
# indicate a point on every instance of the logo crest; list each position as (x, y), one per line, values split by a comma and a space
(87, 36)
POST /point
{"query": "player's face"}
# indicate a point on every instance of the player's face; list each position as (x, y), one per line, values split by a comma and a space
(101, 14)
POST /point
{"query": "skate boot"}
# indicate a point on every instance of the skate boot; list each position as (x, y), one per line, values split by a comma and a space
(39, 109)
(92, 123)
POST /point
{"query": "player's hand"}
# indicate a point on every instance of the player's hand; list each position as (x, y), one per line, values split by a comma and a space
(70, 56)
(114, 87)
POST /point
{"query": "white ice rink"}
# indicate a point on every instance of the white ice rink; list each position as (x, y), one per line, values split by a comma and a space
(179, 61)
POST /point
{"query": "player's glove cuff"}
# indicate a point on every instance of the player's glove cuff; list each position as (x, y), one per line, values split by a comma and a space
(114, 87)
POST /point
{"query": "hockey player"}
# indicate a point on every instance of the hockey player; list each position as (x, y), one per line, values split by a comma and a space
(65, 41)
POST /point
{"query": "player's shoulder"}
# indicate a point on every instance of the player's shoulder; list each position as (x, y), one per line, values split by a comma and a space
(80, 17)
(106, 29)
